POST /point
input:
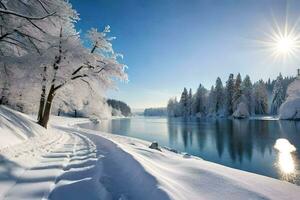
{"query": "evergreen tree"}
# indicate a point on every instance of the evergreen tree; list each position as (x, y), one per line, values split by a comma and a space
(219, 96)
(229, 94)
(278, 95)
(212, 100)
(260, 98)
(237, 91)
(247, 92)
(170, 108)
(184, 103)
(199, 100)
(190, 102)
(173, 108)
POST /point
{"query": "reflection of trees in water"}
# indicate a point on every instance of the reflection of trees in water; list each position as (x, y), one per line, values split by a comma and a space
(261, 133)
(238, 137)
(201, 134)
(172, 130)
(220, 138)
(189, 130)
(186, 132)
(242, 139)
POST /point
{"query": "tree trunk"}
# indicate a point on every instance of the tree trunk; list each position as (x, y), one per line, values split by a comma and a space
(42, 105)
(43, 96)
(5, 90)
(47, 110)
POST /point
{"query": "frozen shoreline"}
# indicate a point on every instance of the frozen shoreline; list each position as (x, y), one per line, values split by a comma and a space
(68, 162)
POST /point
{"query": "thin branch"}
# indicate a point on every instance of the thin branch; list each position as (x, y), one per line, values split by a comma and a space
(4, 35)
(94, 48)
(13, 43)
(3, 5)
(59, 86)
(24, 16)
(36, 48)
(77, 70)
(36, 26)
(13, 39)
(100, 70)
(79, 76)
(29, 36)
(87, 84)
(42, 4)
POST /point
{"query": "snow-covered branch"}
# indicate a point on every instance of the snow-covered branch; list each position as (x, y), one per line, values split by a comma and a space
(9, 12)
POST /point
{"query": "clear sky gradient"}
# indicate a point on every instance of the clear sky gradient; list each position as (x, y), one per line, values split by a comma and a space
(171, 44)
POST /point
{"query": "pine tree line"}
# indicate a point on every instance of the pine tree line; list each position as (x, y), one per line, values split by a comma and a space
(222, 100)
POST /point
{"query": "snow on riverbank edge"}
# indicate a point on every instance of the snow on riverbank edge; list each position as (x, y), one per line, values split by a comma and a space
(193, 178)
(125, 168)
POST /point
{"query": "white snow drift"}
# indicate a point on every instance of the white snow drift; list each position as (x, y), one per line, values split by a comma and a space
(290, 109)
(73, 163)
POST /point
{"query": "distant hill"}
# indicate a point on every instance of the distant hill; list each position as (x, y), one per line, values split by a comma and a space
(155, 112)
(119, 108)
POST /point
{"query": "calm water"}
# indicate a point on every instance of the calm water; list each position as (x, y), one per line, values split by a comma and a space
(243, 144)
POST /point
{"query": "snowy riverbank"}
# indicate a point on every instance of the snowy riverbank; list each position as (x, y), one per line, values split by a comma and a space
(67, 162)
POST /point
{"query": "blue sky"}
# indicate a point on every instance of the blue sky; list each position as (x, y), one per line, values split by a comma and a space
(171, 44)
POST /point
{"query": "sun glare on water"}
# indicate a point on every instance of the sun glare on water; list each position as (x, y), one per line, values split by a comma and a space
(286, 162)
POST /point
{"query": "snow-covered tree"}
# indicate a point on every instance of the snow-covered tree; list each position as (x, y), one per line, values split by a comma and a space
(212, 100)
(173, 108)
(184, 103)
(200, 101)
(229, 91)
(260, 98)
(190, 102)
(278, 95)
(219, 97)
(237, 91)
(51, 53)
(93, 68)
(27, 29)
(247, 92)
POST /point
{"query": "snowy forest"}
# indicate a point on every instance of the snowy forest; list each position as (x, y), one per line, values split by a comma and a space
(119, 108)
(238, 97)
(49, 67)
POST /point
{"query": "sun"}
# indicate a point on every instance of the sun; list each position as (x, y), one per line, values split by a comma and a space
(281, 41)
(286, 45)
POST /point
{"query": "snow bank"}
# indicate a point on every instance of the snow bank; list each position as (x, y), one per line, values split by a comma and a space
(16, 127)
(75, 163)
(241, 111)
(188, 177)
(290, 109)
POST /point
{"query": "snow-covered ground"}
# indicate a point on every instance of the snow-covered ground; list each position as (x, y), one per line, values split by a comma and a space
(67, 162)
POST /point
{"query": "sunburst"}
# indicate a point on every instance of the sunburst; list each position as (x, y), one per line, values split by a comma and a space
(283, 41)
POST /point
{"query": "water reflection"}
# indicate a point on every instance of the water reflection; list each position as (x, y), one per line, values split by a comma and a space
(285, 161)
(241, 144)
